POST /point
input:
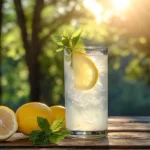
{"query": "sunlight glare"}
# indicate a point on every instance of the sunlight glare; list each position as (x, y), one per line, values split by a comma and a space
(121, 4)
(95, 8)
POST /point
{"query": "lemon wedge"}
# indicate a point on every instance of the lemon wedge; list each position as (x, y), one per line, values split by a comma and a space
(84, 70)
(8, 123)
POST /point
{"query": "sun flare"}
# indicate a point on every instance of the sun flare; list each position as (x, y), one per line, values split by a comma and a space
(118, 8)
(94, 7)
(121, 4)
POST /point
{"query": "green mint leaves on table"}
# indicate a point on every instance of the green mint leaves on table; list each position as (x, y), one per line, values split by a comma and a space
(48, 133)
(68, 43)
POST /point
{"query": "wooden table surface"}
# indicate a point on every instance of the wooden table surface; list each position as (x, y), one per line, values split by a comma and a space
(123, 133)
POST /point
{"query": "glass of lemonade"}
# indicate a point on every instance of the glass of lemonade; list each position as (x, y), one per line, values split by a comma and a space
(86, 92)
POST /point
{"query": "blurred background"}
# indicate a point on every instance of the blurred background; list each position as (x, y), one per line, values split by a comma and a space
(30, 70)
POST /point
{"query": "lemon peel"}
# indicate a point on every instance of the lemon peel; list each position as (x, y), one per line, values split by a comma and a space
(84, 70)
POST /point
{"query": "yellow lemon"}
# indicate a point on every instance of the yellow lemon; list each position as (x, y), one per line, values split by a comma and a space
(8, 123)
(59, 112)
(27, 116)
(85, 71)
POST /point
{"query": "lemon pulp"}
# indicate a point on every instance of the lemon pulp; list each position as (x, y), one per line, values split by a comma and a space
(84, 70)
(8, 123)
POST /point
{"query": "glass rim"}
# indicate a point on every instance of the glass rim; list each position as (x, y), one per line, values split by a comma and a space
(96, 48)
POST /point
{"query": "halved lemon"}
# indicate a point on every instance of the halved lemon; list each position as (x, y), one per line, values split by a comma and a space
(8, 123)
(85, 71)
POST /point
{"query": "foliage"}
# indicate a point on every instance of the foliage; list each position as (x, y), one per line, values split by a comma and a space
(48, 133)
(15, 87)
(129, 59)
(127, 97)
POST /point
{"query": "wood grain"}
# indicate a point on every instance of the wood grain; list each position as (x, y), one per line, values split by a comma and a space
(114, 140)
(139, 124)
(124, 133)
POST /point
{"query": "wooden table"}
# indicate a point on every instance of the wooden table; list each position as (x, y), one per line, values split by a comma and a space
(123, 133)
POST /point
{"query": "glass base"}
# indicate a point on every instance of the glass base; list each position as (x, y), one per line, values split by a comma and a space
(88, 134)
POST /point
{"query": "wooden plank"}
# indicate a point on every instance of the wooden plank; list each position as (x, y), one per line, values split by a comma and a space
(115, 140)
(140, 124)
(124, 133)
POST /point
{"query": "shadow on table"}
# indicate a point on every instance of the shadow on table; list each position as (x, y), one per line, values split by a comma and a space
(78, 143)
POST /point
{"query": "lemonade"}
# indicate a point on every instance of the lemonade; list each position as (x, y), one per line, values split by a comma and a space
(86, 92)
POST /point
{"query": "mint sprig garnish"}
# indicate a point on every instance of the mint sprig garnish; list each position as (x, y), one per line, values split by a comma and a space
(57, 125)
(48, 133)
(68, 43)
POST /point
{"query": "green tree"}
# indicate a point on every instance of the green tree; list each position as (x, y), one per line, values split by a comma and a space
(37, 21)
(135, 23)
(1, 18)
(28, 53)
(33, 41)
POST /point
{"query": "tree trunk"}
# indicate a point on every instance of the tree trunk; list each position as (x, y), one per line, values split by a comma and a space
(32, 47)
(1, 18)
(34, 80)
(34, 71)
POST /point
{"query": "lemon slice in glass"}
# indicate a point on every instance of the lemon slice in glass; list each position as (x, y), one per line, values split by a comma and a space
(85, 71)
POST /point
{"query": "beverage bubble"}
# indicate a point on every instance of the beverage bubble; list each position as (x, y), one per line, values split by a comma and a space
(87, 109)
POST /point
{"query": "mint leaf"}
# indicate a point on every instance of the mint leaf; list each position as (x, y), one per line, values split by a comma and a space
(39, 137)
(34, 134)
(47, 134)
(57, 125)
(59, 49)
(65, 41)
(65, 33)
(42, 138)
(58, 136)
(57, 39)
(64, 133)
(54, 138)
(43, 123)
(68, 43)
(75, 37)
(80, 45)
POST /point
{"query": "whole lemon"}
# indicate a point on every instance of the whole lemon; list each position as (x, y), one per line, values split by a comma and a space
(59, 112)
(27, 116)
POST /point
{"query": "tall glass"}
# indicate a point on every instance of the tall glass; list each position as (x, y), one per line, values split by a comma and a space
(87, 109)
